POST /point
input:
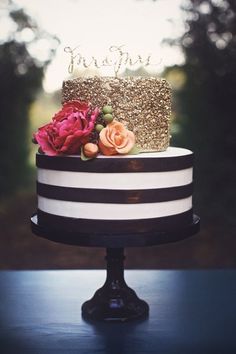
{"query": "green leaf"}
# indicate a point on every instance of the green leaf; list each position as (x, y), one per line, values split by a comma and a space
(135, 150)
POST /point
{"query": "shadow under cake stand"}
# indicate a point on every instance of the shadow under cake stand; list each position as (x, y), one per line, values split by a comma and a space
(115, 301)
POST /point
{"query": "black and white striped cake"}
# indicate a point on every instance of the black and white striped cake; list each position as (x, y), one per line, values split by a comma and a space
(116, 194)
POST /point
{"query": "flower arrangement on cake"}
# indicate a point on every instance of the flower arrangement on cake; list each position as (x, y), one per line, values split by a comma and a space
(80, 129)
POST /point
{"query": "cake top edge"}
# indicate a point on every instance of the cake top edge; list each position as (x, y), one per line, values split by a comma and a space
(117, 79)
(171, 151)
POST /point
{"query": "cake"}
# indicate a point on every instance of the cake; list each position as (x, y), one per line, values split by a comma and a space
(134, 182)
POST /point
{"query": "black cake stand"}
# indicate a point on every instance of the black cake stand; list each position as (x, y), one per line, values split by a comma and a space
(114, 301)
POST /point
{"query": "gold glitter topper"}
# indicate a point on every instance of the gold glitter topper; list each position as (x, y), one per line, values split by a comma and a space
(117, 59)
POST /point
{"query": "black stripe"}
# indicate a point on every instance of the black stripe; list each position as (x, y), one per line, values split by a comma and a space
(168, 223)
(114, 165)
(114, 196)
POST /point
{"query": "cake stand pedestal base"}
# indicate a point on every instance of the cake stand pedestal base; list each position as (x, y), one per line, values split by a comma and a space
(115, 301)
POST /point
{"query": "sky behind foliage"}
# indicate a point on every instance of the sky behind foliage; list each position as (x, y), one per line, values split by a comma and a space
(140, 25)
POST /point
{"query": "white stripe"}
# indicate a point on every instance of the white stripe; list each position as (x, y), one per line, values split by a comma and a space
(108, 211)
(132, 180)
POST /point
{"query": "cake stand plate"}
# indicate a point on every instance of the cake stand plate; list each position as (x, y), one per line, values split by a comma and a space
(115, 301)
(139, 239)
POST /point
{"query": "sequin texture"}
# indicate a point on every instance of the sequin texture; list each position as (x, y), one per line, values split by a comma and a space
(142, 104)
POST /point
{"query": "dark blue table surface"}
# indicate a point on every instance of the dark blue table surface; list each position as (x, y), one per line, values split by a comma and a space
(191, 311)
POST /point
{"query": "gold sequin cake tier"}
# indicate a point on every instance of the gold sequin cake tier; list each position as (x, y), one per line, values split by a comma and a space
(142, 104)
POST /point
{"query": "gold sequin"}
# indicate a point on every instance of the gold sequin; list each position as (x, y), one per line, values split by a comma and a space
(142, 104)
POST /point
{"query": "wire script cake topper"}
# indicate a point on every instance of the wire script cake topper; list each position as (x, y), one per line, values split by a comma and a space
(116, 59)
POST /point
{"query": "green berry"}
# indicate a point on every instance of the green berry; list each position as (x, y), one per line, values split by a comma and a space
(99, 127)
(107, 109)
(108, 117)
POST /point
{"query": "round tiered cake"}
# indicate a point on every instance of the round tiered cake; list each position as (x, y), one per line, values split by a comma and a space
(114, 193)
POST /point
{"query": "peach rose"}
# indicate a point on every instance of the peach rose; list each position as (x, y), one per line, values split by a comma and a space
(116, 139)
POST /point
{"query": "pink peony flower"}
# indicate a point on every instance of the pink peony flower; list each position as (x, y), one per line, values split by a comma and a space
(70, 128)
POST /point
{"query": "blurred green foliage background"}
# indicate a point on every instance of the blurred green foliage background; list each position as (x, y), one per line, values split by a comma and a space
(204, 102)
